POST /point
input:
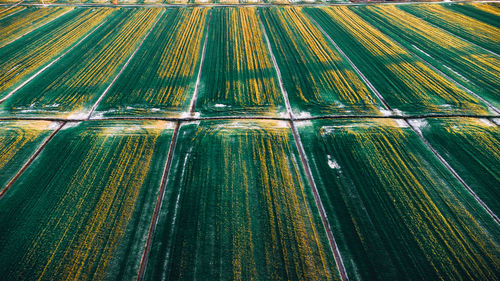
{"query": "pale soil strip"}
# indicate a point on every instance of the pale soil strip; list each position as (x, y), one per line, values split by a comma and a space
(198, 78)
(305, 164)
(252, 117)
(360, 74)
(48, 65)
(453, 81)
(159, 200)
(30, 160)
(457, 176)
(22, 35)
(124, 66)
(455, 35)
(317, 4)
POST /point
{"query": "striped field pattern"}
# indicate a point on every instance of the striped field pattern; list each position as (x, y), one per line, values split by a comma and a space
(249, 140)
(82, 210)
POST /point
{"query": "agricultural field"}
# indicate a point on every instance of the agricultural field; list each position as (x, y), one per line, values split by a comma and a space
(317, 79)
(407, 85)
(237, 206)
(70, 89)
(472, 148)
(18, 142)
(32, 52)
(82, 210)
(24, 21)
(395, 211)
(466, 63)
(238, 76)
(160, 79)
(249, 140)
(463, 26)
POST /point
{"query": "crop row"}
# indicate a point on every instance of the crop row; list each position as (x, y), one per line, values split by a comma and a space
(161, 77)
(237, 203)
(394, 209)
(72, 85)
(82, 210)
(359, 60)
(30, 53)
(27, 20)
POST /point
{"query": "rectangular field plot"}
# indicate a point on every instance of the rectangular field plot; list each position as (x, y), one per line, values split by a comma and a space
(317, 79)
(30, 53)
(479, 11)
(160, 79)
(466, 27)
(18, 141)
(82, 210)
(70, 87)
(395, 211)
(24, 21)
(472, 148)
(469, 65)
(237, 207)
(238, 77)
(406, 83)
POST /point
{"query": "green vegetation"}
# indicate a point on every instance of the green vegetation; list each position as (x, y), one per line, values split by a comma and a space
(238, 76)
(466, 27)
(161, 77)
(479, 11)
(237, 207)
(472, 148)
(402, 79)
(317, 79)
(468, 64)
(395, 211)
(32, 52)
(71, 86)
(82, 210)
(18, 141)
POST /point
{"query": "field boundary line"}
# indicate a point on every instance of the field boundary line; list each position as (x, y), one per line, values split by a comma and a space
(31, 159)
(254, 117)
(453, 172)
(124, 66)
(36, 28)
(289, 4)
(447, 77)
(192, 104)
(50, 64)
(356, 69)
(12, 13)
(307, 169)
(455, 35)
(159, 200)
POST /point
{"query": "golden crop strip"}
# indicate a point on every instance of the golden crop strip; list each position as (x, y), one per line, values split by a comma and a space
(416, 75)
(440, 223)
(486, 8)
(181, 55)
(480, 30)
(28, 22)
(16, 134)
(405, 21)
(313, 49)
(111, 188)
(5, 11)
(99, 66)
(45, 48)
(249, 55)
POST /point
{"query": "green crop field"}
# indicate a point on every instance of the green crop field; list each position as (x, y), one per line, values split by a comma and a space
(82, 209)
(396, 212)
(249, 140)
(237, 199)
